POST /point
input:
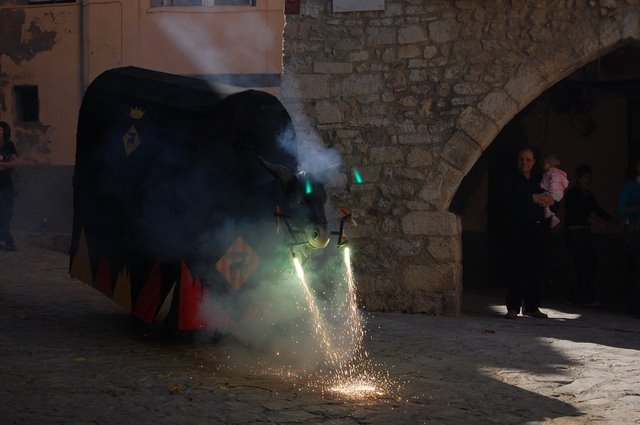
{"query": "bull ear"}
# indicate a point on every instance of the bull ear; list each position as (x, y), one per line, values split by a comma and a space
(280, 172)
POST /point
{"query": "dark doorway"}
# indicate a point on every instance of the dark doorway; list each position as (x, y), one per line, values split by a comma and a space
(592, 116)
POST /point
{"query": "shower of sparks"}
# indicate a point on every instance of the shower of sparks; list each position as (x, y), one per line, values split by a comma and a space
(354, 324)
(352, 377)
(320, 326)
(357, 389)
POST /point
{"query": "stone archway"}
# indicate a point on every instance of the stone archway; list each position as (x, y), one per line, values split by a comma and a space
(412, 96)
(586, 118)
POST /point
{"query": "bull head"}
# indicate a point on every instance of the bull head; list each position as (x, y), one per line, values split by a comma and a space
(302, 206)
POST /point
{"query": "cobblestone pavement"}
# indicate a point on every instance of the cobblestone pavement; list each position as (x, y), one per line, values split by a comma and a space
(68, 355)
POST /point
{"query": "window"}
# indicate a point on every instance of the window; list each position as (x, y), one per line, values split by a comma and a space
(205, 3)
(26, 103)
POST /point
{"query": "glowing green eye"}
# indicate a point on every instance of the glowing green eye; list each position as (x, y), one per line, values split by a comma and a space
(357, 176)
(308, 188)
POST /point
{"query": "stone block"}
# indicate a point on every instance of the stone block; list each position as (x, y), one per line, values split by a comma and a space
(433, 278)
(445, 248)
(410, 51)
(313, 86)
(328, 112)
(387, 154)
(380, 36)
(430, 223)
(419, 158)
(332, 68)
(449, 174)
(630, 25)
(359, 56)
(430, 52)
(461, 151)
(437, 188)
(359, 85)
(470, 88)
(412, 34)
(413, 139)
(499, 107)
(441, 31)
(431, 189)
(525, 86)
(477, 126)
(609, 33)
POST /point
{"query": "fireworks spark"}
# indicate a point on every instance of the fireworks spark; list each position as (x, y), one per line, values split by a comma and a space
(353, 377)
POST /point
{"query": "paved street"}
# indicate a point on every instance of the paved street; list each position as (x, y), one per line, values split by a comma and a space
(69, 355)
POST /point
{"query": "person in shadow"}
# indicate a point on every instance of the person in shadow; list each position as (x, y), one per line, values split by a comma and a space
(8, 162)
(529, 236)
(580, 210)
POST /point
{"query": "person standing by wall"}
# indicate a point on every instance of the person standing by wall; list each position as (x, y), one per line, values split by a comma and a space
(580, 209)
(629, 209)
(8, 162)
(529, 234)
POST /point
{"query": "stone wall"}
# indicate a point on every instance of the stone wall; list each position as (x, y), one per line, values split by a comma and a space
(411, 96)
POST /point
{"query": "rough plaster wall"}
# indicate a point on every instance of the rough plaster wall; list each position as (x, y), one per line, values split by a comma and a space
(19, 45)
(23, 37)
(411, 96)
(44, 190)
(21, 40)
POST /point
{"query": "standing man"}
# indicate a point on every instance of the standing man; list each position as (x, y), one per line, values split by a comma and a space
(579, 210)
(8, 162)
(529, 235)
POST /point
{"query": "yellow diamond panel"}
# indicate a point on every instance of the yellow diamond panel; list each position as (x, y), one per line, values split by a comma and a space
(238, 263)
(131, 140)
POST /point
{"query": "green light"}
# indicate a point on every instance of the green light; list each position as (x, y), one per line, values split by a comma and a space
(357, 176)
(308, 188)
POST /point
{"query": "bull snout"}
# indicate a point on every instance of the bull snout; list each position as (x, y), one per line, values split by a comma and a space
(318, 236)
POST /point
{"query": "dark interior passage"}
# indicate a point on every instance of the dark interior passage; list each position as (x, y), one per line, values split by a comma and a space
(590, 117)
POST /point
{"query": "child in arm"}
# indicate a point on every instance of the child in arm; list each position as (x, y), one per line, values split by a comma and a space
(554, 182)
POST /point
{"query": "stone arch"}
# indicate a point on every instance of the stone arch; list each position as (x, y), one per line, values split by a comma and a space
(481, 269)
(478, 125)
(413, 95)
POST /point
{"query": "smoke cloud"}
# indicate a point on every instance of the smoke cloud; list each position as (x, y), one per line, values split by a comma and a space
(271, 315)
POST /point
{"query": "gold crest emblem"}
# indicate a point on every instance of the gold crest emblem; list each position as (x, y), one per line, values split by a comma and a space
(131, 140)
(136, 112)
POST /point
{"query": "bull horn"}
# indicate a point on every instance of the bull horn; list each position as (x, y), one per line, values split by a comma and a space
(280, 172)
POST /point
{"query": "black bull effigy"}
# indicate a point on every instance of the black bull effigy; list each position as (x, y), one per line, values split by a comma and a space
(176, 185)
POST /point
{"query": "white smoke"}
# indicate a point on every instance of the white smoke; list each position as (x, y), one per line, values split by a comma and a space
(271, 314)
(273, 317)
(193, 40)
